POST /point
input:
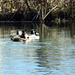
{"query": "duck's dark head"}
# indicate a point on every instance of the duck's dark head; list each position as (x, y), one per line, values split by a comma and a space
(17, 33)
(33, 31)
(23, 32)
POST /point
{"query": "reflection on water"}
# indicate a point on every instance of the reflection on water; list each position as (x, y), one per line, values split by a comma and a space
(52, 54)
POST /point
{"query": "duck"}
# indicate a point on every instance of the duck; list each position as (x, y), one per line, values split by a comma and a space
(26, 39)
(15, 37)
(24, 36)
(34, 35)
(18, 36)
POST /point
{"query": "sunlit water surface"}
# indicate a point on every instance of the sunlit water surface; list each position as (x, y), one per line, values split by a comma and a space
(52, 54)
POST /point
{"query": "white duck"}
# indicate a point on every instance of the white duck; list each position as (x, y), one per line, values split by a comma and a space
(33, 35)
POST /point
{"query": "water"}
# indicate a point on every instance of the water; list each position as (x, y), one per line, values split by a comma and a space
(52, 54)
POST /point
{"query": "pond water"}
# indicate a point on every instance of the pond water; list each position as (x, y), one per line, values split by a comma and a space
(52, 54)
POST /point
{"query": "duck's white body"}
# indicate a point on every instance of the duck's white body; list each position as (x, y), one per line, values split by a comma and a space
(33, 36)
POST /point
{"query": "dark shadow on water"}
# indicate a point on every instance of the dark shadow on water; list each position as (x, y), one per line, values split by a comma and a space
(48, 29)
(45, 29)
(7, 27)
